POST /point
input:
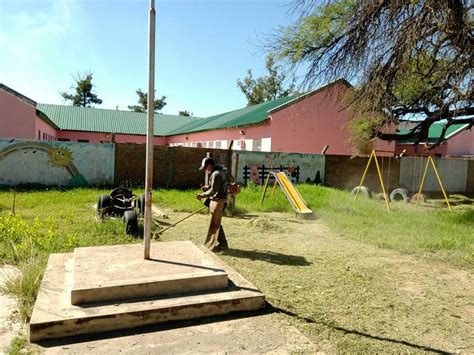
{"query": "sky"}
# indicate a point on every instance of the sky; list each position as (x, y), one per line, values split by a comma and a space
(202, 48)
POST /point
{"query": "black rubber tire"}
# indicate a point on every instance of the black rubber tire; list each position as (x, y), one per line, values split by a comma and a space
(364, 191)
(399, 194)
(140, 204)
(103, 202)
(130, 220)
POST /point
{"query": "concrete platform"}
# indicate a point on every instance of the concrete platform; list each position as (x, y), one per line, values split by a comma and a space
(54, 316)
(119, 272)
(252, 334)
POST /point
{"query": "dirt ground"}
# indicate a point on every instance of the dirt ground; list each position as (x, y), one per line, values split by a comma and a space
(343, 294)
(8, 329)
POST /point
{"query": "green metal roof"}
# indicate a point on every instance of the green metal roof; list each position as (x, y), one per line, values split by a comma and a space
(241, 117)
(73, 118)
(434, 132)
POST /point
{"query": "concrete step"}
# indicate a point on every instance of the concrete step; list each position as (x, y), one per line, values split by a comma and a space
(119, 272)
(55, 317)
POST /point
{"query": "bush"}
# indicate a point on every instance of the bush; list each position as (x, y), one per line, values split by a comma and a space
(20, 240)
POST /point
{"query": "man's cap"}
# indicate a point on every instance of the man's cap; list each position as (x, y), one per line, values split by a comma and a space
(206, 162)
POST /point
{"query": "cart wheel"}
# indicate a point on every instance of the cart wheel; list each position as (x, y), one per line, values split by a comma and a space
(130, 221)
(103, 202)
(140, 204)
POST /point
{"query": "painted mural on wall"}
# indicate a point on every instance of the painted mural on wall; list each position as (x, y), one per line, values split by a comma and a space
(55, 163)
(254, 167)
(453, 174)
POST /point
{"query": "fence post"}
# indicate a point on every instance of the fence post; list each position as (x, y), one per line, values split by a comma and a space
(206, 176)
(233, 172)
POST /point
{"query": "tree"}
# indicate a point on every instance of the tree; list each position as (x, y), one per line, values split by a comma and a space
(410, 59)
(83, 95)
(268, 87)
(143, 102)
(185, 113)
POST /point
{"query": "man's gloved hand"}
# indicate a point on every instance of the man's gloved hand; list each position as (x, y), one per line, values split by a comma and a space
(198, 197)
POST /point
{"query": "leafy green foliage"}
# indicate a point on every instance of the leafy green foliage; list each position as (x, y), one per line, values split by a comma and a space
(20, 239)
(143, 103)
(83, 95)
(24, 285)
(18, 345)
(409, 59)
(185, 113)
(267, 87)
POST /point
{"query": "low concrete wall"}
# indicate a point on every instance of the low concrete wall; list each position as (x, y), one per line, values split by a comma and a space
(470, 177)
(55, 163)
(453, 174)
(299, 167)
(70, 163)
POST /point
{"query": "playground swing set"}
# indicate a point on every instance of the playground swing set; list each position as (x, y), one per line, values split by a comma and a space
(373, 156)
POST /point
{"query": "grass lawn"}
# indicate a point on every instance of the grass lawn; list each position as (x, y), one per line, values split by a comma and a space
(354, 279)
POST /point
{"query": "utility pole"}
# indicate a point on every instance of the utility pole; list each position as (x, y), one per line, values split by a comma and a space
(150, 131)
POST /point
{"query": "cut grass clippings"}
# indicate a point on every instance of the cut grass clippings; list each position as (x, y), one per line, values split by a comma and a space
(435, 232)
(60, 220)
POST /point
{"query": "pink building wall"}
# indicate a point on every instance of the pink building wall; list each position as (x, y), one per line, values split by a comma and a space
(97, 137)
(44, 131)
(318, 120)
(461, 144)
(439, 151)
(251, 132)
(17, 118)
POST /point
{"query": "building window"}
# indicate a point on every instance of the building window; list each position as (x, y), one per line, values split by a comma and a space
(210, 144)
(218, 144)
(83, 140)
(39, 135)
(257, 145)
(63, 139)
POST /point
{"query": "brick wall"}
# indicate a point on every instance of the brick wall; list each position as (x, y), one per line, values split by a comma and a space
(173, 167)
(345, 173)
(177, 167)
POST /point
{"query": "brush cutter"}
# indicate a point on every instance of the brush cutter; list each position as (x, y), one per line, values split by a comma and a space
(181, 220)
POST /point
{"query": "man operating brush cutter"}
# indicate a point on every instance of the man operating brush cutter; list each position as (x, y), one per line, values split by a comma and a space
(215, 195)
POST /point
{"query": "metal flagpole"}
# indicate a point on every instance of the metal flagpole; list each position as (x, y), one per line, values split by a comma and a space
(149, 134)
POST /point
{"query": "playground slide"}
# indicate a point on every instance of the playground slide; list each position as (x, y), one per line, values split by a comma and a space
(292, 194)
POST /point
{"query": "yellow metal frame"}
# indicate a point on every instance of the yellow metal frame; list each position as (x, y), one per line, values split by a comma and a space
(291, 193)
(430, 159)
(374, 156)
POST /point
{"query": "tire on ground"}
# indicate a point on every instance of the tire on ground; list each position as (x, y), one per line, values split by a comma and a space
(399, 194)
(364, 191)
(103, 202)
(380, 196)
(421, 199)
(130, 221)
